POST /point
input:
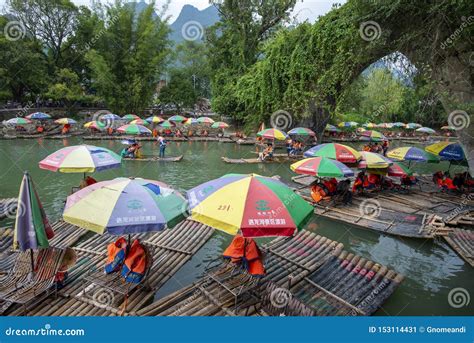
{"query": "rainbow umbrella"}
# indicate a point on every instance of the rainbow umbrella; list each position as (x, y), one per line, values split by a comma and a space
(81, 159)
(372, 160)
(177, 119)
(301, 131)
(155, 119)
(426, 130)
(32, 228)
(272, 134)
(321, 167)
(412, 126)
(130, 117)
(398, 170)
(348, 124)
(447, 151)
(331, 128)
(18, 121)
(412, 154)
(65, 121)
(38, 116)
(258, 206)
(450, 128)
(340, 152)
(167, 124)
(125, 206)
(373, 136)
(139, 121)
(220, 125)
(369, 125)
(109, 117)
(191, 121)
(399, 124)
(205, 120)
(132, 129)
(98, 125)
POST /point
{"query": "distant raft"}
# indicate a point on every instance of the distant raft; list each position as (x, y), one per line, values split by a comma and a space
(156, 158)
(274, 159)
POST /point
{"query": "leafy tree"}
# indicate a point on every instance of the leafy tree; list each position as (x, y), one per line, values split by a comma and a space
(179, 91)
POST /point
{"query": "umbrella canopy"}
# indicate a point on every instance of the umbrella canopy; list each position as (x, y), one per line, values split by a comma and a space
(130, 117)
(64, 121)
(139, 122)
(38, 116)
(426, 130)
(258, 206)
(331, 128)
(369, 125)
(272, 134)
(81, 159)
(412, 154)
(321, 167)
(412, 126)
(177, 119)
(125, 206)
(348, 124)
(372, 160)
(109, 116)
(133, 129)
(399, 124)
(32, 228)
(220, 125)
(373, 136)
(450, 128)
(98, 125)
(18, 121)
(191, 121)
(447, 151)
(301, 131)
(205, 120)
(340, 152)
(167, 124)
(398, 169)
(155, 119)
(385, 125)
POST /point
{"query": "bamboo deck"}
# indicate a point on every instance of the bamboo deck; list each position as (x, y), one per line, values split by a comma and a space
(289, 262)
(8, 207)
(462, 242)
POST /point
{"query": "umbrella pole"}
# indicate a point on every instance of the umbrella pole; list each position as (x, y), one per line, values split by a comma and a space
(32, 261)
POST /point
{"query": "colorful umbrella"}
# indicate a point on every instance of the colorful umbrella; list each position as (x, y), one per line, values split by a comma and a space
(447, 151)
(412, 126)
(272, 134)
(191, 121)
(32, 228)
(130, 117)
(18, 121)
(65, 121)
(155, 119)
(398, 170)
(220, 125)
(205, 120)
(301, 131)
(348, 124)
(321, 167)
(340, 152)
(372, 160)
(412, 154)
(373, 136)
(258, 206)
(98, 125)
(331, 128)
(399, 124)
(426, 130)
(369, 125)
(450, 128)
(139, 122)
(125, 206)
(132, 129)
(38, 116)
(177, 119)
(109, 116)
(81, 159)
(167, 124)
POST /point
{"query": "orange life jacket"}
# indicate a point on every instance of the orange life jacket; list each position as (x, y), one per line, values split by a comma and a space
(448, 182)
(318, 193)
(134, 267)
(40, 129)
(245, 250)
(110, 131)
(115, 255)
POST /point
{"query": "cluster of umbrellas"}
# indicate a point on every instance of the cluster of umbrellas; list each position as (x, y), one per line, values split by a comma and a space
(277, 134)
(398, 125)
(38, 116)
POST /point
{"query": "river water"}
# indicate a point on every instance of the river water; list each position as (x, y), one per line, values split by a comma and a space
(431, 269)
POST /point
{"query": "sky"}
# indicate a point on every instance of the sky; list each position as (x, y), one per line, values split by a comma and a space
(304, 10)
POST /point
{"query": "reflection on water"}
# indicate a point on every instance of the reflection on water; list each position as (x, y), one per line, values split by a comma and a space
(431, 269)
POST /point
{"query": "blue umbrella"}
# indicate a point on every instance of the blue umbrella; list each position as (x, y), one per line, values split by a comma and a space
(38, 115)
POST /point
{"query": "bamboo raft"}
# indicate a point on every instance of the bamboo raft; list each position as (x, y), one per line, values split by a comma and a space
(276, 159)
(170, 249)
(156, 159)
(8, 207)
(462, 242)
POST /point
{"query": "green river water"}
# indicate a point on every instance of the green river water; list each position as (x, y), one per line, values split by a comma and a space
(431, 269)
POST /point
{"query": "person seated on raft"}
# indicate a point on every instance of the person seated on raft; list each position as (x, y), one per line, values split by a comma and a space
(408, 181)
(178, 133)
(110, 131)
(438, 179)
(343, 191)
(89, 180)
(358, 186)
(372, 181)
(386, 183)
(190, 133)
(205, 133)
(448, 184)
(368, 147)
(385, 146)
(289, 146)
(154, 133)
(323, 190)
(463, 181)
(267, 153)
(65, 129)
(40, 129)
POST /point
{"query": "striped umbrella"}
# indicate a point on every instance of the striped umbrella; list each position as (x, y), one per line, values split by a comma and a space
(177, 119)
(348, 124)
(449, 128)
(412, 154)
(258, 206)
(191, 121)
(65, 121)
(38, 116)
(81, 159)
(369, 125)
(331, 128)
(139, 122)
(449, 151)
(301, 131)
(321, 167)
(412, 126)
(399, 124)
(98, 125)
(205, 120)
(109, 117)
(340, 152)
(130, 117)
(372, 160)
(18, 121)
(373, 136)
(155, 120)
(398, 169)
(125, 206)
(426, 130)
(220, 125)
(167, 124)
(132, 129)
(272, 134)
